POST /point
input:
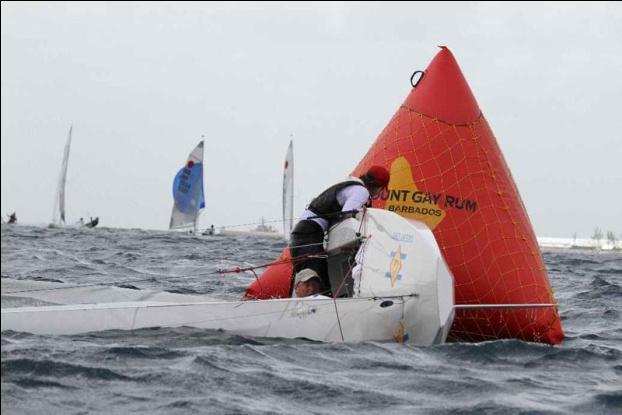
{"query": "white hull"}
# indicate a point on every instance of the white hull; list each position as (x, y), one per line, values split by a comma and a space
(354, 319)
(402, 291)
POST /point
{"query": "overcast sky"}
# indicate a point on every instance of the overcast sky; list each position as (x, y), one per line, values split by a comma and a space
(142, 83)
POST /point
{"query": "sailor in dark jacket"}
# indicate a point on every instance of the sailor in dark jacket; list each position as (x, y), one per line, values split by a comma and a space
(307, 237)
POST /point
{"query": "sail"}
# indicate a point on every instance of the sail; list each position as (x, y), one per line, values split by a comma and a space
(58, 216)
(288, 191)
(188, 194)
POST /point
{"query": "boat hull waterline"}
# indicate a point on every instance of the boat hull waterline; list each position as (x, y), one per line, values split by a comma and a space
(349, 320)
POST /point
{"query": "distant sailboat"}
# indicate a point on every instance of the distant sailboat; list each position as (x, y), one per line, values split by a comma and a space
(188, 193)
(288, 206)
(58, 215)
(92, 223)
(12, 219)
(288, 191)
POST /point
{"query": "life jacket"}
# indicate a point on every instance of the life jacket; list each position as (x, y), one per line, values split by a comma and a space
(326, 204)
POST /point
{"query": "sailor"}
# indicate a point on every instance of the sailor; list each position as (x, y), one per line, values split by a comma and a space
(12, 218)
(325, 210)
(307, 284)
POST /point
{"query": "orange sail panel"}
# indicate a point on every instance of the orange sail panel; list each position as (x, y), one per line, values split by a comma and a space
(448, 171)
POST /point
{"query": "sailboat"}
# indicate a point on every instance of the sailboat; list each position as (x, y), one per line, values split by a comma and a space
(58, 214)
(288, 191)
(188, 195)
(262, 229)
(403, 291)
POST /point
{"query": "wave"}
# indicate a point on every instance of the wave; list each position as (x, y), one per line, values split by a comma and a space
(53, 368)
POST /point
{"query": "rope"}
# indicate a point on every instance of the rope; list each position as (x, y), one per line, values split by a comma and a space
(335, 298)
(326, 215)
(349, 272)
(151, 278)
(281, 261)
(338, 319)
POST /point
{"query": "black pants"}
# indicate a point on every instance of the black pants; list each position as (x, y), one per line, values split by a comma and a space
(307, 238)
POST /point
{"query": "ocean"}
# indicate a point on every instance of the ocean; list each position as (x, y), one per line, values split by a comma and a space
(185, 370)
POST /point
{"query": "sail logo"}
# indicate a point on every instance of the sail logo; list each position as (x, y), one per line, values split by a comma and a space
(395, 266)
(404, 198)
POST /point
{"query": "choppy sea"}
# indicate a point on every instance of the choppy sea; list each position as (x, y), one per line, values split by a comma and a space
(184, 371)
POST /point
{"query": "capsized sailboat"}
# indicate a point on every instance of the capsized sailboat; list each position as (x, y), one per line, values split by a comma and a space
(389, 279)
(188, 194)
(288, 191)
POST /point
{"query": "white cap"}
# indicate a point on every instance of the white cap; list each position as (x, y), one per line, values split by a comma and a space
(305, 275)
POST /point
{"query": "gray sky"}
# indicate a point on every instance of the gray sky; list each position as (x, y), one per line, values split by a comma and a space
(142, 83)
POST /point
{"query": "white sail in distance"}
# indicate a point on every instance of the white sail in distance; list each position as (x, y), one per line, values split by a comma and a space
(288, 191)
(58, 215)
(188, 196)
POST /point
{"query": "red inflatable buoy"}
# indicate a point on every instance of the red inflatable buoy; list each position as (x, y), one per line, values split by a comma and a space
(448, 171)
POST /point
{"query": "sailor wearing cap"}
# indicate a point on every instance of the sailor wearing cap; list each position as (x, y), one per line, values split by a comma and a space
(329, 207)
(307, 283)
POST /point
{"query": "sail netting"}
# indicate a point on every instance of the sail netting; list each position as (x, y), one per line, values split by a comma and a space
(448, 172)
(188, 193)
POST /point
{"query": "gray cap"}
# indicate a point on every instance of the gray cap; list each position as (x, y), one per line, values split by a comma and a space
(305, 275)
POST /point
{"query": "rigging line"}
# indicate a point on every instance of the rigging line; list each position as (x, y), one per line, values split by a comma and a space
(327, 215)
(152, 278)
(349, 272)
(101, 284)
(339, 290)
(305, 245)
(338, 319)
(343, 280)
(109, 284)
(68, 287)
(281, 261)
